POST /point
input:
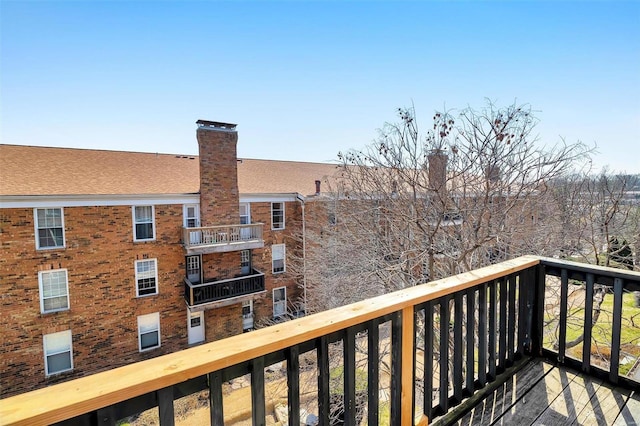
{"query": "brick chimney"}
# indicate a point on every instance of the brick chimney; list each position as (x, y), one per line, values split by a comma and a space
(437, 163)
(219, 200)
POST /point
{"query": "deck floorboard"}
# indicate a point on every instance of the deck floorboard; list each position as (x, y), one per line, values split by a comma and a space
(575, 397)
(544, 394)
(604, 406)
(534, 402)
(630, 413)
(501, 400)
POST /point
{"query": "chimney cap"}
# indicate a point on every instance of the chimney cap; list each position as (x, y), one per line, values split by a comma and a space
(215, 125)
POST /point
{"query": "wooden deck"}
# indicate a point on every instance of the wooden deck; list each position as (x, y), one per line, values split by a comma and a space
(543, 394)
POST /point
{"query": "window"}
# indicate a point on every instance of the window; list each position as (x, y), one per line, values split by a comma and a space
(245, 262)
(277, 215)
(247, 308)
(279, 301)
(277, 258)
(149, 331)
(193, 269)
(245, 257)
(143, 229)
(49, 228)
(191, 214)
(245, 214)
(54, 290)
(58, 355)
(146, 277)
(247, 315)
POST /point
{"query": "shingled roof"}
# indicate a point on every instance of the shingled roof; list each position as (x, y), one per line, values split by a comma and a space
(31, 170)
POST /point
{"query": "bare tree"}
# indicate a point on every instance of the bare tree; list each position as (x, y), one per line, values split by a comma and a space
(416, 206)
(596, 223)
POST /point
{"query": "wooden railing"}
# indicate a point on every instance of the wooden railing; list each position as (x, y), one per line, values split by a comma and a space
(200, 294)
(430, 349)
(223, 237)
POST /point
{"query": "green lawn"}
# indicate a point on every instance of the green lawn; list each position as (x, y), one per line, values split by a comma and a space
(601, 333)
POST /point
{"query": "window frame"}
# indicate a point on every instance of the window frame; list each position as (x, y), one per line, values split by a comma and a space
(41, 290)
(47, 354)
(37, 228)
(283, 301)
(156, 317)
(245, 258)
(153, 223)
(273, 222)
(284, 258)
(138, 277)
(195, 218)
(246, 218)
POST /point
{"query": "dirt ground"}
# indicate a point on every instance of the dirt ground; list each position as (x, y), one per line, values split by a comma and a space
(193, 410)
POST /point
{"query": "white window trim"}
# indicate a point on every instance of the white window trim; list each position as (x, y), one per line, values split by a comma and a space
(248, 215)
(185, 215)
(35, 227)
(284, 259)
(283, 216)
(41, 288)
(153, 222)
(47, 355)
(135, 268)
(273, 297)
(245, 257)
(157, 319)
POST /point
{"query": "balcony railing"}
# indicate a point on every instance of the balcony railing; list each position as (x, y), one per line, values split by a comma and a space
(215, 239)
(420, 354)
(216, 291)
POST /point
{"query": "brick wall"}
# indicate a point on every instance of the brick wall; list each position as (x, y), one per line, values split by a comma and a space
(291, 237)
(223, 322)
(218, 177)
(99, 258)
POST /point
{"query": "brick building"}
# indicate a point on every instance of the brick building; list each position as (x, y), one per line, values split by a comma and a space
(109, 257)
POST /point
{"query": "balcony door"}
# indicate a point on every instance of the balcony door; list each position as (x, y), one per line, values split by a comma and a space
(191, 215)
(245, 219)
(279, 302)
(247, 315)
(194, 269)
(245, 262)
(195, 327)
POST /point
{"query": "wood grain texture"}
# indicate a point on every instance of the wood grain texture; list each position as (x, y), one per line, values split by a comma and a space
(488, 411)
(604, 406)
(630, 413)
(531, 405)
(564, 410)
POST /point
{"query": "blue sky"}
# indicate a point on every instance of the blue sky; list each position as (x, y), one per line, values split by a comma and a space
(305, 80)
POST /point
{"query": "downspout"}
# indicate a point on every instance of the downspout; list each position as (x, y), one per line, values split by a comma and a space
(304, 254)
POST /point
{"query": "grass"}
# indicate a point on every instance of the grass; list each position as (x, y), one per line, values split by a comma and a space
(602, 331)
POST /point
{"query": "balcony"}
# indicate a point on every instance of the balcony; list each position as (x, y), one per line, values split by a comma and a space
(493, 345)
(223, 238)
(216, 294)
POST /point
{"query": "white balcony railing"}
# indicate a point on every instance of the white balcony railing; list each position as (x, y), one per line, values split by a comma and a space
(211, 239)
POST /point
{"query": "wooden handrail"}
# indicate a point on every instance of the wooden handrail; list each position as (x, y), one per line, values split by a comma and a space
(73, 398)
